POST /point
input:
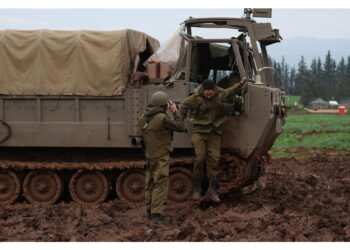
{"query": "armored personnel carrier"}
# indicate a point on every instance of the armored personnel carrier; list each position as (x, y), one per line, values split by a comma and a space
(70, 101)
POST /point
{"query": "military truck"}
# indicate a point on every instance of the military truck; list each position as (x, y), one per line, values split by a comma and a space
(70, 101)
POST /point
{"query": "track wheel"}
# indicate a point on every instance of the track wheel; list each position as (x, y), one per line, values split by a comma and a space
(234, 174)
(10, 187)
(42, 187)
(180, 184)
(130, 186)
(89, 187)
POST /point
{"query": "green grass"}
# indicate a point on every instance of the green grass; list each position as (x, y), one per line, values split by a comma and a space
(286, 140)
(292, 100)
(340, 141)
(312, 132)
(295, 106)
(317, 122)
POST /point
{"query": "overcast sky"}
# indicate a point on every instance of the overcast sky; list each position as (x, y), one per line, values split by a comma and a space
(160, 23)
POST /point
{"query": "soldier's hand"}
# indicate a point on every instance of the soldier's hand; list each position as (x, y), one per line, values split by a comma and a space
(172, 107)
(243, 81)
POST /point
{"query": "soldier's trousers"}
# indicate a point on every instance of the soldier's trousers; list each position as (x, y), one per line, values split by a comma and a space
(207, 147)
(156, 186)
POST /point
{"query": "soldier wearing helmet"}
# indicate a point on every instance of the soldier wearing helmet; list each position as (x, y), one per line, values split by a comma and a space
(156, 129)
(207, 115)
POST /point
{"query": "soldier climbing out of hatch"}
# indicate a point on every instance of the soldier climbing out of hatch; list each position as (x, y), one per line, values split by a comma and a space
(207, 115)
(156, 128)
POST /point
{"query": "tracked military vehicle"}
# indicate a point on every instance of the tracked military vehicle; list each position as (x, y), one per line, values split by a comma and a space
(70, 101)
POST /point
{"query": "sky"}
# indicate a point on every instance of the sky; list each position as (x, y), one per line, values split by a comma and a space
(160, 19)
(161, 23)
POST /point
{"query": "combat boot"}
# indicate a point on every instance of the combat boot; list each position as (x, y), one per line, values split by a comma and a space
(197, 189)
(157, 219)
(212, 190)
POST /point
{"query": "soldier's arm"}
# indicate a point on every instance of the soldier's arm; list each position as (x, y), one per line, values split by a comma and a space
(186, 105)
(177, 124)
(230, 92)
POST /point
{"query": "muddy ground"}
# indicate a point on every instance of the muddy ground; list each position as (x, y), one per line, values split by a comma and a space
(296, 200)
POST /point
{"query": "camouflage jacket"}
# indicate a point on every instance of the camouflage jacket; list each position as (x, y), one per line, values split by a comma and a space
(156, 129)
(207, 115)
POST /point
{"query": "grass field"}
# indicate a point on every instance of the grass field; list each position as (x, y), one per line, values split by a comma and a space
(292, 100)
(313, 132)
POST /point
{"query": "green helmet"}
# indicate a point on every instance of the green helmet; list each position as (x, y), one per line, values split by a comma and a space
(159, 99)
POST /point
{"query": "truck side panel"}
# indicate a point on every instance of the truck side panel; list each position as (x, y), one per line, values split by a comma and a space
(65, 121)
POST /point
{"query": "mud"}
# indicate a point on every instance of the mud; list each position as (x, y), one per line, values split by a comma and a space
(73, 158)
(296, 200)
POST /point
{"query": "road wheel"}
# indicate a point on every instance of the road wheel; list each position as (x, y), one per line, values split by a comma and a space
(89, 187)
(42, 187)
(234, 174)
(10, 187)
(180, 184)
(130, 186)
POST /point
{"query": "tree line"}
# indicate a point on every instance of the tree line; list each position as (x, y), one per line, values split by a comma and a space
(326, 79)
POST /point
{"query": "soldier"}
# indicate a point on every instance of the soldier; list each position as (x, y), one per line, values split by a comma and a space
(207, 115)
(156, 129)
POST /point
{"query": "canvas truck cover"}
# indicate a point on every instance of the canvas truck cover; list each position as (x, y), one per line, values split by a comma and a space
(88, 63)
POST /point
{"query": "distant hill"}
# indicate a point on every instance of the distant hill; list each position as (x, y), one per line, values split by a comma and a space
(292, 49)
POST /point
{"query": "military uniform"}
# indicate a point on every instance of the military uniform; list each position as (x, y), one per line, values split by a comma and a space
(207, 116)
(156, 129)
